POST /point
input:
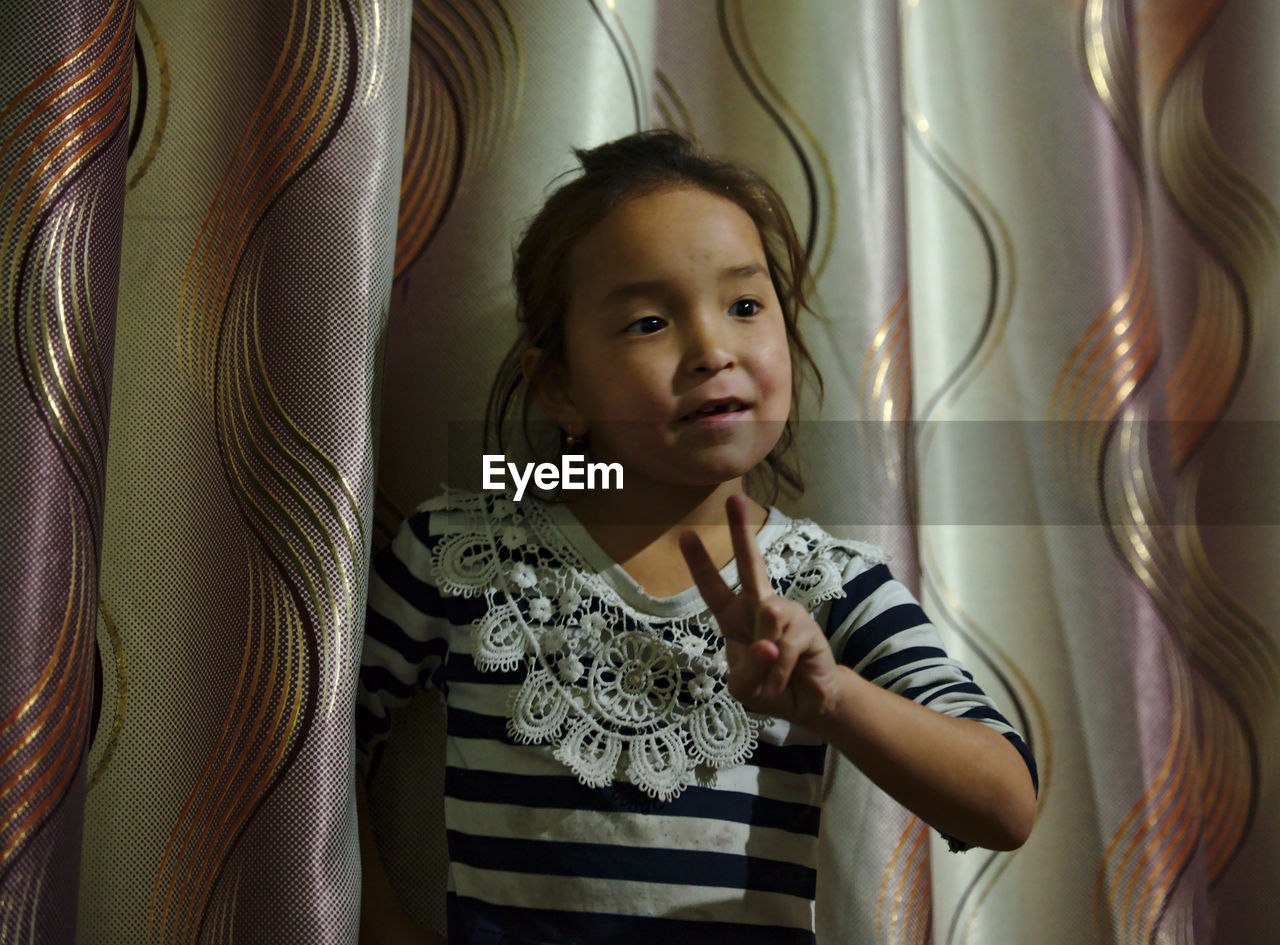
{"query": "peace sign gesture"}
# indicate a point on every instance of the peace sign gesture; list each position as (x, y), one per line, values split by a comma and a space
(780, 662)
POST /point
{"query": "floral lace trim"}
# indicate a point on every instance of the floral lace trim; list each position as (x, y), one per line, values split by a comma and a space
(604, 680)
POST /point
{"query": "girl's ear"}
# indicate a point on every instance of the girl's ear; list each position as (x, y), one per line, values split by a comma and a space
(551, 393)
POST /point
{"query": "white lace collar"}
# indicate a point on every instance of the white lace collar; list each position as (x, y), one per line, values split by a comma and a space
(596, 559)
(612, 671)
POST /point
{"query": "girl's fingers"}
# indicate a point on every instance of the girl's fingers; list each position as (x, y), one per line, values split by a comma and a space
(772, 624)
(751, 567)
(771, 618)
(748, 674)
(715, 591)
(789, 651)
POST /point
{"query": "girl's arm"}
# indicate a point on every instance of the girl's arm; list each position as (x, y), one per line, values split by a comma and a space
(958, 775)
(382, 920)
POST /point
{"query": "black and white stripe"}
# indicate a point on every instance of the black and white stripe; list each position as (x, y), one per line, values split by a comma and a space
(538, 856)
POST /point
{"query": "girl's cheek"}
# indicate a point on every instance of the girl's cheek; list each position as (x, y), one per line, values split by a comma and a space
(634, 401)
(777, 366)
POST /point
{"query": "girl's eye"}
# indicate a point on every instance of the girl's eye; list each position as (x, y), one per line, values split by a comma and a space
(745, 308)
(645, 326)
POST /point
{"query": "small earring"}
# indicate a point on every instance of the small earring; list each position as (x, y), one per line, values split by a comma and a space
(574, 443)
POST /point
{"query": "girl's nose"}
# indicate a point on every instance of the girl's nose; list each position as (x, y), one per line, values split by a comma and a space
(708, 348)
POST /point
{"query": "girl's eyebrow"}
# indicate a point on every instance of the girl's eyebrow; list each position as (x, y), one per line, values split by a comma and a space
(745, 271)
(652, 287)
(635, 290)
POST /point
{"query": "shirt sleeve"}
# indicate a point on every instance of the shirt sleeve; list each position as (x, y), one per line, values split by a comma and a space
(406, 631)
(880, 631)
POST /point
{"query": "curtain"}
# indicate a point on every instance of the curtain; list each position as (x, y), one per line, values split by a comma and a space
(255, 267)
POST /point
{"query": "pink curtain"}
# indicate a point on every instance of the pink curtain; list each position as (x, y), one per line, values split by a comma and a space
(262, 250)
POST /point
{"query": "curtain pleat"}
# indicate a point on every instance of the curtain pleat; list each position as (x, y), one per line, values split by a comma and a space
(64, 131)
(260, 227)
(263, 250)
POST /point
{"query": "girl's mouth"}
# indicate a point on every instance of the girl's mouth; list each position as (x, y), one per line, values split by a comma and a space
(716, 414)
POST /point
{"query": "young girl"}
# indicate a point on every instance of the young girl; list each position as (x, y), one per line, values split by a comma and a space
(640, 683)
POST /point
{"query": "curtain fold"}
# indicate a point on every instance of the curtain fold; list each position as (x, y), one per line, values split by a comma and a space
(260, 228)
(63, 136)
(263, 250)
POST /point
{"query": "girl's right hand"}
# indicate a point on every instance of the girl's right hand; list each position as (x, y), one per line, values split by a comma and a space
(780, 662)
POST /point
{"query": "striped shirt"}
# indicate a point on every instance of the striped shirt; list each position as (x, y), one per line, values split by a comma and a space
(539, 854)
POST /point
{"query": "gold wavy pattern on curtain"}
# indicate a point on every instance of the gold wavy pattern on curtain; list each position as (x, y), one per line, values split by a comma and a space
(296, 111)
(1237, 256)
(1136, 516)
(1219, 764)
(1105, 368)
(285, 485)
(1100, 378)
(671, 106)
(1108, 55)
(1029, 715)
(885, 380)
(60, 353)
(56, 126)
(432, 147)
(801, 139)
(621, 40)
(1153, 844)
(1242, 232)
(884, 388)
(466, 77)
(77, 118)
(43, 738)
(1118, 351)
(162, 109)
(1211, 363)
(1212, 760)
(121, 680)
(1166, 31)
(370, 32)
(479, 53)
(904, 890)
(60, 360)
(307, 567)
(1229, 639)
(992, 230)
(18, 913)
(222, 923)
(1242, 665)
(263, 721)
(1156, 839)
(1224, 754)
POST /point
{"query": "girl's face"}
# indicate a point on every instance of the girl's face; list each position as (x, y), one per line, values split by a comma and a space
(677, 360)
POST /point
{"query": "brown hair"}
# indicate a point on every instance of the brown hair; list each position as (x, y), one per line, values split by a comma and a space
(613, 173)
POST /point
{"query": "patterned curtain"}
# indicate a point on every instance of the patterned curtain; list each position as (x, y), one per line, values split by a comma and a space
(262, 251)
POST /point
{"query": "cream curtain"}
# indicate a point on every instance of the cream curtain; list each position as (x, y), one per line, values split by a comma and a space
(262, 250)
